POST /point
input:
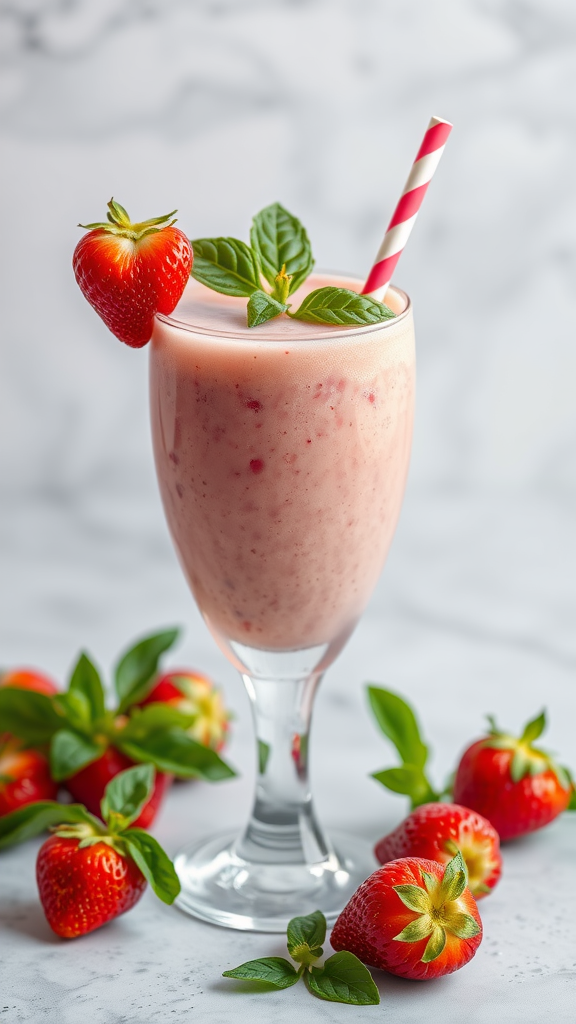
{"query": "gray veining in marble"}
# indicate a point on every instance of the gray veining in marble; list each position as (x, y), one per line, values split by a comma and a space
(219, 107)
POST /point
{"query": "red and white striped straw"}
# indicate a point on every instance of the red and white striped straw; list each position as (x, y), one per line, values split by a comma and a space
(399, 228)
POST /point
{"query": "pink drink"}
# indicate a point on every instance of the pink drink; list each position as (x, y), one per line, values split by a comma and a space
(282, 453)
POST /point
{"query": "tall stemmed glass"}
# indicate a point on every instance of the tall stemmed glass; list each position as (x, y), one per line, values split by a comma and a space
(282, 454)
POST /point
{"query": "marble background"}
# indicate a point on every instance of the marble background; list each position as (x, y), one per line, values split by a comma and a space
(220, 107)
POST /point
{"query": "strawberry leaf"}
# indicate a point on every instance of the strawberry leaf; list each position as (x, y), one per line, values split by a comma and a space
(31, 716)
(340, 306)
(138, 666)
(70, 751)
(262, 307)
(305, 937)
(34, 818)
(281, 241)
(343, 979)
(272, 970)
(414, 897)
(454, 879)
(409, 780)
(153, 862)
(435, 945)
(534, 728)
(226, 265)
(86, 681)
(126, 794)
(173, 751)
(398, 722)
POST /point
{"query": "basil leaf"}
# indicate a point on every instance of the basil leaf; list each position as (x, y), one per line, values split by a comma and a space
(173, 751)
(273, 970)
(281, 240)
(340, 306)
(31, 716)
(410, 780)
(305, 937)
(398, 722)
(153, 862)
(76, 710)
(34, 818)
(86, 681)
(344, 979)
(226, 265)
(157, 717)
(139, 665)
(263, 755)
(69, 752)
(262, 307)
(126, 794)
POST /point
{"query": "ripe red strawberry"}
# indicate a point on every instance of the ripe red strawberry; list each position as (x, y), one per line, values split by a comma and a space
(413, 918)
(517, 786)
(193, 693)
(438, 832)
(29, 679)
(24, 776)
(82, 889)
(87, 786)
(129, 272)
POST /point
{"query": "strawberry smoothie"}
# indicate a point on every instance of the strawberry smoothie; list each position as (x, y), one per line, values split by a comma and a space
(282, 453)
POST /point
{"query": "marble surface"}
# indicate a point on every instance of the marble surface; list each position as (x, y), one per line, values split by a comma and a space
(219, 107)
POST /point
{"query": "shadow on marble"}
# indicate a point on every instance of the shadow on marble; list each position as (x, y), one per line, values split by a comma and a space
(28, 919)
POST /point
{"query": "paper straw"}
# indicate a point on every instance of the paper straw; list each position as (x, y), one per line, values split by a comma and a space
(399, 228)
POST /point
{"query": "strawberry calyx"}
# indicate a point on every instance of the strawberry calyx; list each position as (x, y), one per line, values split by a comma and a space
(119, 223)
(438, 908)
(527, 759)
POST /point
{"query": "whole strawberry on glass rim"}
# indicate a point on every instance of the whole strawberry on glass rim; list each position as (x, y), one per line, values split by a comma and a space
(517, 786)
(130, 271)
(438, 831)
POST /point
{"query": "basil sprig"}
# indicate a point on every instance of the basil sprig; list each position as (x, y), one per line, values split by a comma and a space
(399, 724)
(342, 978)
(279, 255)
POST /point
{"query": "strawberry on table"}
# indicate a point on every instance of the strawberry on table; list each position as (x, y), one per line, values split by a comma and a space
(413, 917)
(438, 832)
(88, 785)
(129, 272)
(517, 786)
(29, 679)
(193, 693)
(91, 871)
(24, 776)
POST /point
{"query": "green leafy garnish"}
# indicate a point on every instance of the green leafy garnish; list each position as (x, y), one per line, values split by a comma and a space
(398, 722)
(280, 255)
(137, 668)
(341, 979)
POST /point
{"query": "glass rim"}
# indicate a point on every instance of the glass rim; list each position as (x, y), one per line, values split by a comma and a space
(248, 335)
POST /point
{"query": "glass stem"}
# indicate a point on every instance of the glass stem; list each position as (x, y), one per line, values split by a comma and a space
(282, 828)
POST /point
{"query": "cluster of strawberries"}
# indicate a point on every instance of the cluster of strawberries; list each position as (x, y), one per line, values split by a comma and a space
(417, 915)
(118, 763)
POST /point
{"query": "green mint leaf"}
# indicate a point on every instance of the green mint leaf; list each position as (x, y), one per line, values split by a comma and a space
(343, 979)
(340, 306)
(137, 668)
(156, 717)
(70, 751)
(173, 751)
(305, 937)
(262, 307)
(153, 862)
(31, 716)
(398, 722)
(34, 818)
(126, 794)
(281, 241)
(409, 780)
(226, 265)
(86, 681)
(534, 728)
(273, 970)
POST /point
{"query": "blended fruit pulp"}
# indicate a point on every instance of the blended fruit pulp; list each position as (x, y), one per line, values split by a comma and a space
(282, 453)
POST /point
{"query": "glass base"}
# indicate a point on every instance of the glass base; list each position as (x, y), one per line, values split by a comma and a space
(220, 886)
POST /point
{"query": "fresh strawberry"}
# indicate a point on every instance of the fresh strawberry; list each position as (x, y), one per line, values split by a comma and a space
(87, 786)
(29, 679)
(92, 870)
(129, 272)
(517, 786)
(24, 776)
(438, 832)
(412, 917)
(193, 693)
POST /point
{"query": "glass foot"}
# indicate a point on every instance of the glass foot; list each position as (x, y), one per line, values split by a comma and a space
(220, 886)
